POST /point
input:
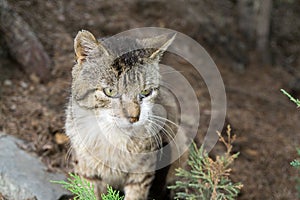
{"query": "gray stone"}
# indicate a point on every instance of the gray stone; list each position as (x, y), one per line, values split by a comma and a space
(24, 176)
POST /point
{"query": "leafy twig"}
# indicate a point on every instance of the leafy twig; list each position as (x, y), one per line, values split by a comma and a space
(111, 194)
(296, 101)
(82, 189)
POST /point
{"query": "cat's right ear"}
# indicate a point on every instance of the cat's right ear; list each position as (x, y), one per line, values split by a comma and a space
(85, 43)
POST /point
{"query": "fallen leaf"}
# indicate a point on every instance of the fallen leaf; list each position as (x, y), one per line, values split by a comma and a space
(61, 138)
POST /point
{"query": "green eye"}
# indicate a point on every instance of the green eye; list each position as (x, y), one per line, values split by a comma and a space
(111, 92)
(146, 93)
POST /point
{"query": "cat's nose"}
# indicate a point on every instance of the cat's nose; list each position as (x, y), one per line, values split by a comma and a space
(133, 119)
(131, 110)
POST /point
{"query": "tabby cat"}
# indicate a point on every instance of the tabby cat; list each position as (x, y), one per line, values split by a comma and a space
(119, 118)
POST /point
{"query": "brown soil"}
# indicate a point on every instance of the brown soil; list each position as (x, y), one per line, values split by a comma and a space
(266, 122)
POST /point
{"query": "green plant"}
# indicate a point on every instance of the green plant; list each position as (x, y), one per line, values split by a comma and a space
(111, 194)
(208, 178)
(83, 190)
(295, 163)
(296, 101)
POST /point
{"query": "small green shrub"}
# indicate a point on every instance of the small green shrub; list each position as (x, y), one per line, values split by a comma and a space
(208, 178)
(83, 190)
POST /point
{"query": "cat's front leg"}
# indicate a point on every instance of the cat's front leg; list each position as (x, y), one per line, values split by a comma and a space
(138, 185)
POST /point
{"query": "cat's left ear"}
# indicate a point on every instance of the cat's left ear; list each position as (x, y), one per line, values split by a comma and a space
(160, 43)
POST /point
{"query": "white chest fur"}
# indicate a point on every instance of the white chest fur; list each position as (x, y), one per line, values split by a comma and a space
(105, 150)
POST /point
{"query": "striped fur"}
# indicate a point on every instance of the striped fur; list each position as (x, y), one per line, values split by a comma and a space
(113, 136)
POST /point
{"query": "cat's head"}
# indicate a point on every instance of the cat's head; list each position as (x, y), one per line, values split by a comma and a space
(122, 87)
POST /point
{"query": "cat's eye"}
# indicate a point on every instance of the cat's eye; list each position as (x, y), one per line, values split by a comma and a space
(146, 93)
(111, 92)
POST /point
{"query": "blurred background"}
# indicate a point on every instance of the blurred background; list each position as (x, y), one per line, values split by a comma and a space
(254, 43)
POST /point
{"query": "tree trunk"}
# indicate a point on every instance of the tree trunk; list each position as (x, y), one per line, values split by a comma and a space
(22, 43)
(263, 31)
(246, 20)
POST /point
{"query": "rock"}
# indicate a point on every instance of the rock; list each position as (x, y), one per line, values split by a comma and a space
(24, 176)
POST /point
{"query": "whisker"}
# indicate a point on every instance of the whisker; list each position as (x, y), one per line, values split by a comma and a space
(68, 155)
(157, 128)
(166, 125)
(156, 137)
(163, 118)
(169, 135)
(149, 129)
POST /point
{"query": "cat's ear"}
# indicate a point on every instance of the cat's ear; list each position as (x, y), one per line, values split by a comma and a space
(85, 43)
(160, 43)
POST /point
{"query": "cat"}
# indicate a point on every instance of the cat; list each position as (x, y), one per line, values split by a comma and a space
(117, 132)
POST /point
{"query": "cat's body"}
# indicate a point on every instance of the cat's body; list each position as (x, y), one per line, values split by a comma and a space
(116, 131)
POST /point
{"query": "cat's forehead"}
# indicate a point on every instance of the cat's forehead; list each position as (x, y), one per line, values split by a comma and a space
(127, 53)
(131, 59)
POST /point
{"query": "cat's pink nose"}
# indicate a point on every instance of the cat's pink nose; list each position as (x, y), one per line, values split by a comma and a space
(133, 119)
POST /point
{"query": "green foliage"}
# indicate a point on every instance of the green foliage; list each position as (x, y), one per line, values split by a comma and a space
(208, 178)
(295, 163)
(296, 101)
(83, 190)
(111, 194)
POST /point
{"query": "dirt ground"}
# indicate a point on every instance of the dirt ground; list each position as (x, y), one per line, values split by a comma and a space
(265, 121)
